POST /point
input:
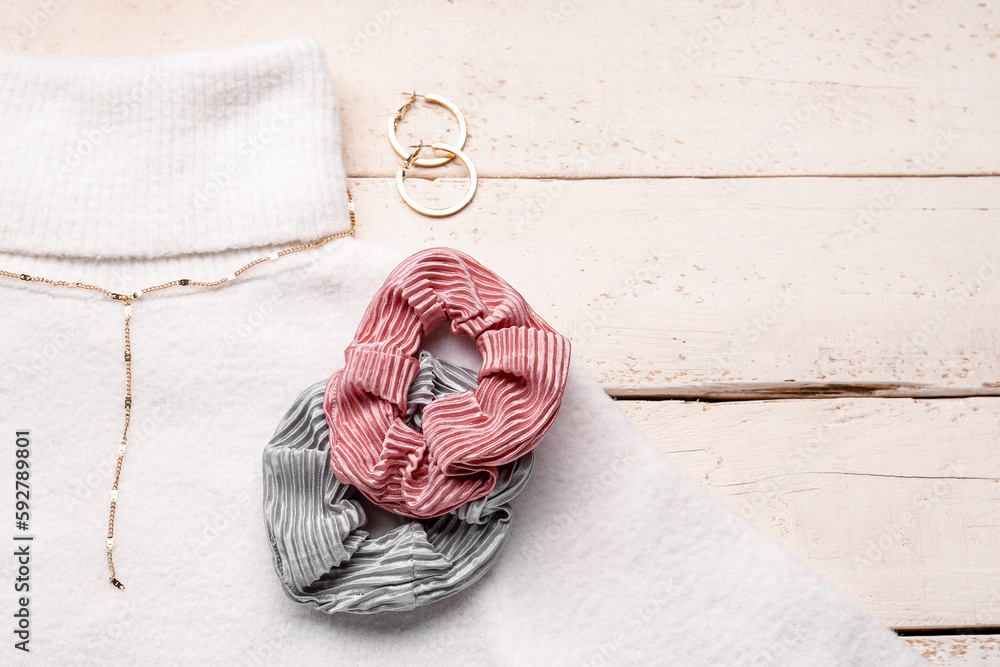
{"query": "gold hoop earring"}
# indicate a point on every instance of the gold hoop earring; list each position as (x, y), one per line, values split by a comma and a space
(437, 212)
(463, 131)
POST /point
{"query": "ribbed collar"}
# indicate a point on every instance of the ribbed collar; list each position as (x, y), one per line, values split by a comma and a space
(145, 157)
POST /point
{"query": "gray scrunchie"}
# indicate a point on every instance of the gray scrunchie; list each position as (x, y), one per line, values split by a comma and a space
(320, 553)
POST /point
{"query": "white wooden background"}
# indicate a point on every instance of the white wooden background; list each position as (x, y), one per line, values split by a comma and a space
(792, 208)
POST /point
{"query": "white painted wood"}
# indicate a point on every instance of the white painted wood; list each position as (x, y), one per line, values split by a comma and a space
(979, 650)
(896, 502)
(575, 88)
(668, 287)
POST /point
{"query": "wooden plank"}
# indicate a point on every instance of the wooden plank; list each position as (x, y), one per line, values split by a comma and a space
(571, 89)
(786, 288)
(894, 501)
(958, 650)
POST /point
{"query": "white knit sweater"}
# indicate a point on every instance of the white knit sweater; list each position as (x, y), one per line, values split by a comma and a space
(134, 171)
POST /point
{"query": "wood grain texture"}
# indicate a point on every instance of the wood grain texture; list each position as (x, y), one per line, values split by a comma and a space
(785, 288)
(574, 89)
(896, 502)
(979, 650)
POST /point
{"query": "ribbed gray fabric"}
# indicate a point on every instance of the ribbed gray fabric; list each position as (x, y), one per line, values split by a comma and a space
(434, 378)
(321, 554)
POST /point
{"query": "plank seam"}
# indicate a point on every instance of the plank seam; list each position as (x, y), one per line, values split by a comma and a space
(949, 631)
(765, 396)
(668, 177)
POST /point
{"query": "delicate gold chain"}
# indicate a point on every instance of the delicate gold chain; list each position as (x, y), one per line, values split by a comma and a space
(127, 299)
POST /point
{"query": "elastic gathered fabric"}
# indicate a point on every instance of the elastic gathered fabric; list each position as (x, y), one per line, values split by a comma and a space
(466, 436)
(321, 553)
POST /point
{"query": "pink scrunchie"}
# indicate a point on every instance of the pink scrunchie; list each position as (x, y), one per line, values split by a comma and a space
(466, 435)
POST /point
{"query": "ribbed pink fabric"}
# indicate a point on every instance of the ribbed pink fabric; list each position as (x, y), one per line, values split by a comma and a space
(466, 435)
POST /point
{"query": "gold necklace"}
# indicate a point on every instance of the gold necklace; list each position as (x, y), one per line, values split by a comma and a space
(127, 299)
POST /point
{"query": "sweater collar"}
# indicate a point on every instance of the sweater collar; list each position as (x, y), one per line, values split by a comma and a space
(162, 156)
